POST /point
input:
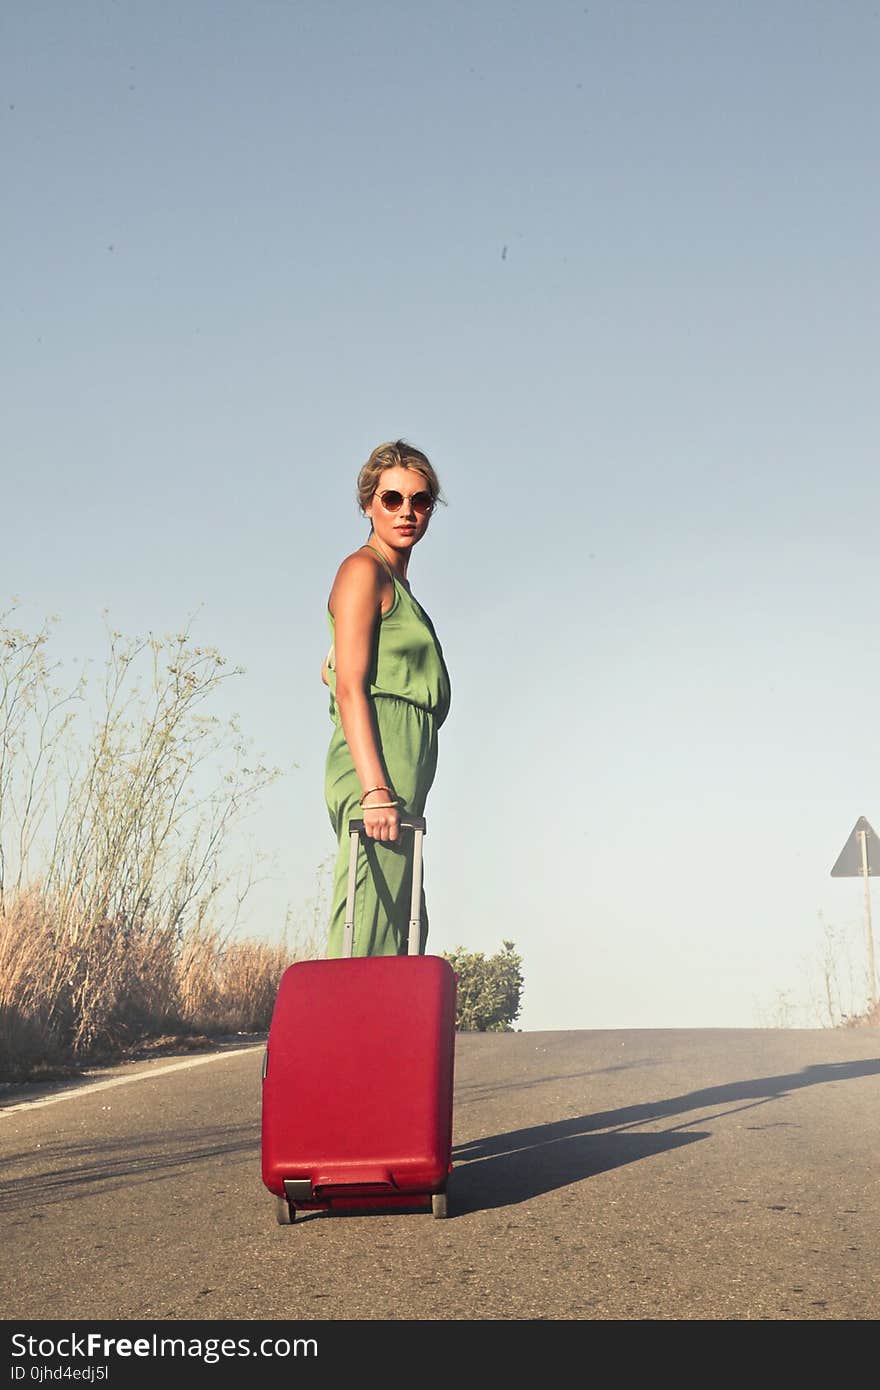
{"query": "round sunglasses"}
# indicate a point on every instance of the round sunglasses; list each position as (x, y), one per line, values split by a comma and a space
(392, 501)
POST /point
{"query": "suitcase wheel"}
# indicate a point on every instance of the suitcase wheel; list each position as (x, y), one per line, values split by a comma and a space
(285, 1212)
(439, 1205)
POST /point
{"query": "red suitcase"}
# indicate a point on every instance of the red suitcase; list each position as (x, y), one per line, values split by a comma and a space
(358, 1072)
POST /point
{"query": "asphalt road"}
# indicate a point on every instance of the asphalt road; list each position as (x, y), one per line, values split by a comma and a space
(598, 1175)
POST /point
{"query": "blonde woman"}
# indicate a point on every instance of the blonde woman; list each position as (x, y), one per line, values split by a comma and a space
(389, 694)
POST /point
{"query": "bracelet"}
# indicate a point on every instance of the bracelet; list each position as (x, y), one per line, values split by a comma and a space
(380, 788)
(379, 805)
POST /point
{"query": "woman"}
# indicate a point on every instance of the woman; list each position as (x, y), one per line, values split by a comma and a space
(389, 694)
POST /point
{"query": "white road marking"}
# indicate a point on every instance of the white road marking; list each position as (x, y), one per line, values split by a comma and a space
(123, 1080)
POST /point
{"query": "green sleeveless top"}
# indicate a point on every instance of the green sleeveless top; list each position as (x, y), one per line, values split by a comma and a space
(407, 659)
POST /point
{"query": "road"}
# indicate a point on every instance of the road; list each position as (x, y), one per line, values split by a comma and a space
(609, 1174)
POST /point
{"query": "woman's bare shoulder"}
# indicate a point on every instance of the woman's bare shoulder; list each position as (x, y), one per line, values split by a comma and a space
(359, 575)
(360, 567)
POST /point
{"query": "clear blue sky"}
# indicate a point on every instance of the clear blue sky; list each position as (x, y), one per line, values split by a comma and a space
(614, 267)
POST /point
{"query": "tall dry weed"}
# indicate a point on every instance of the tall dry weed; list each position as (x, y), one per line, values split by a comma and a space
(228, 988)
(28, 1034)
(139, 987)
(114, 854)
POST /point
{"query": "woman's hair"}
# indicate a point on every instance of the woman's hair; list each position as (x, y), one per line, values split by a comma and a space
(398, 454)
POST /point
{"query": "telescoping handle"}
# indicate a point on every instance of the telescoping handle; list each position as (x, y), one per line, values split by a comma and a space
(355, 829)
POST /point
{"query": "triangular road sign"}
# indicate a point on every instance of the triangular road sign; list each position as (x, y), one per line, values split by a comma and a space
(849, 861)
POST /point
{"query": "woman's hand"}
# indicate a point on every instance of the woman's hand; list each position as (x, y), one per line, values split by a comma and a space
(382, 823)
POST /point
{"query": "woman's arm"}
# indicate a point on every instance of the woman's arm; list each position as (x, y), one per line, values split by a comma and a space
(355, 602)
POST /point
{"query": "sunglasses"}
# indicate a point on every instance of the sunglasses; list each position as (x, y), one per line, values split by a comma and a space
(422, 502)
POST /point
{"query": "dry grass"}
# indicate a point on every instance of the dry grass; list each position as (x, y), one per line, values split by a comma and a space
(869, 1019)
(70, 998)
(114, 855)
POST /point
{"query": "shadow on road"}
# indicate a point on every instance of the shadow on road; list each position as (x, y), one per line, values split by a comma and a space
(519, 1164)
(66, 1172)
(558, 1159)
(496, 1170)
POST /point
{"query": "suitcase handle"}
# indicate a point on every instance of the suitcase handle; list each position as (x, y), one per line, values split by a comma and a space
(355, 829)
(405, 823)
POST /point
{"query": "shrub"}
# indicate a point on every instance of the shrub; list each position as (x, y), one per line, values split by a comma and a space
(489, 989)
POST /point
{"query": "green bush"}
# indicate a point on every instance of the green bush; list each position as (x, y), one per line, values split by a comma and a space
(489, 989)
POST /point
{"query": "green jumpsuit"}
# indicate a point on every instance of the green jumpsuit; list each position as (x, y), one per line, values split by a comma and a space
(409, 693)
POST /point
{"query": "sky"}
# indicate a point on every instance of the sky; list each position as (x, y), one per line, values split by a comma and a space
(614, 268)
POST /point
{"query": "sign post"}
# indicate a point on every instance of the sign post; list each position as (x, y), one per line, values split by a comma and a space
(861, 856)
